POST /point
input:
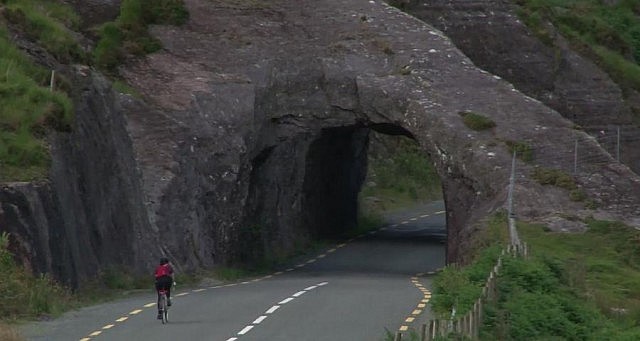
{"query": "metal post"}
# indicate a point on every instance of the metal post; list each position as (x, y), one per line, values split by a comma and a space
(575, 157)
(52, 81)
(618, 146)
(398, 337)
(423, 332)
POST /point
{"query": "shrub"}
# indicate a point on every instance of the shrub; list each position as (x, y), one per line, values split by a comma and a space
(476, 121)
(554, 177)
(523, 151)
(129, 35)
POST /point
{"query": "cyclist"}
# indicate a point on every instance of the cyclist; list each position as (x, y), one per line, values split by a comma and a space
(164, 280)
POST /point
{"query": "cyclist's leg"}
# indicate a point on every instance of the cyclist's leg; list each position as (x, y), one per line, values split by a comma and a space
(158, 288)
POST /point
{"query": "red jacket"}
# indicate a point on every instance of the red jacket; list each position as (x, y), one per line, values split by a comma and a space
(164, 270)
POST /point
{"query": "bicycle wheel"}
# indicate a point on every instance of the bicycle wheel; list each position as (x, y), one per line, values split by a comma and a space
(165, 312)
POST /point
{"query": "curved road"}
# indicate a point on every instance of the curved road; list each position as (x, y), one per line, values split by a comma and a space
(353, 291)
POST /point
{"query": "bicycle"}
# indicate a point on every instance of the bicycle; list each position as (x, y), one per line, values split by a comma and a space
(163, 307)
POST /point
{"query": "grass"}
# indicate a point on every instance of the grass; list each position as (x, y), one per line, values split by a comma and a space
(608, 33)
(128, 34)
(28, 108)
(399, 175)
(460, 287)
(48, 23)
(575, 287)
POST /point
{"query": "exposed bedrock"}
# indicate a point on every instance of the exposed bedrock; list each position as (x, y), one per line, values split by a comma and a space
(495, 39)
(251, 141)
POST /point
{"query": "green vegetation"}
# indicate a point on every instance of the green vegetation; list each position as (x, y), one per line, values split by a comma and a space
(28, 108)
(49, 23)
(460, 287)
(24, 295)
(554, 177)
(129, 35)
(476, 121)
(399, 174)
(523, 150)
(575, 287)
(607, 32)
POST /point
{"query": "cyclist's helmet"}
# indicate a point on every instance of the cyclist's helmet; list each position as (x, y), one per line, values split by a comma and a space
(164, 260)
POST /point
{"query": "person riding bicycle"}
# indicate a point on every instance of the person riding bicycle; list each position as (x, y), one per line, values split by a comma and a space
(164, 280)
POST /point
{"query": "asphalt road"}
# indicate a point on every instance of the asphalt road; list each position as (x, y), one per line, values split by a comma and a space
(352, 291)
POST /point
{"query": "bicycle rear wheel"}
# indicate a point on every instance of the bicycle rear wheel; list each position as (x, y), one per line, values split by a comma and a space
(165, 310)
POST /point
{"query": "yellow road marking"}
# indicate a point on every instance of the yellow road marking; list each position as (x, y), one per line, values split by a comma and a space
(109, 326)
(413, 219)
(122, 319)
(198, 290)
(342, 245)
(96, 333)
(137, 311)
(424, 216)
(440, 212)
(409, 319)
(311, 261)
(322, 256)
(331, 250)
(148, 305)
(85, 339)
(421, 305)
(425, 300)
(182, 294)
(278, 273)
(404, 222)
(404, 328)
(416, 312)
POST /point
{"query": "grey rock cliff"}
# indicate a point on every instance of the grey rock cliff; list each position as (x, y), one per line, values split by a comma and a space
(252, 140)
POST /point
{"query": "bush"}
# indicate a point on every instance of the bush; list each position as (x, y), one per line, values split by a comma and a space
(554, 177)
(523, 151)
(129, 35)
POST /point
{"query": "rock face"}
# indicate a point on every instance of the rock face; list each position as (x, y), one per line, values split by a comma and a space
(492, 36)
(252, 140)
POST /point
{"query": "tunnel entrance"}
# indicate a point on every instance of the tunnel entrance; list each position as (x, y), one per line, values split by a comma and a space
(355, 175)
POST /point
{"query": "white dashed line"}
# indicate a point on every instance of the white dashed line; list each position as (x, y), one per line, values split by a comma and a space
(259, 319)
(440, 212)
(96, 333)
(424, 215)
(122, 319)
(182, 294)
(245, 330)
(272, 309)
(149, 305)
(135, 312)
(404, 222)
(414, 219)
(109, 326)
(198, 290)
(286, 300)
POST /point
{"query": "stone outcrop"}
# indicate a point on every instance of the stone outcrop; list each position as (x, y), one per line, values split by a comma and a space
(491, 34)
(252, 139)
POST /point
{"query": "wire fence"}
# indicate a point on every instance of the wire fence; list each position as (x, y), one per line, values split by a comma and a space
(574, 153)
(579, 152)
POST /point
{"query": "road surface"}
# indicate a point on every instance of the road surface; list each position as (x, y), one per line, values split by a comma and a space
(352, 291)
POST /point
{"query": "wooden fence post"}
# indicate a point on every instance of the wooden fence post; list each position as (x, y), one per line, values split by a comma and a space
(398, 336)
(423, 332)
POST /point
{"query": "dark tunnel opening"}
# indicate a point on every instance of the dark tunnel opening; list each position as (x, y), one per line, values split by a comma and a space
(335, 170)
